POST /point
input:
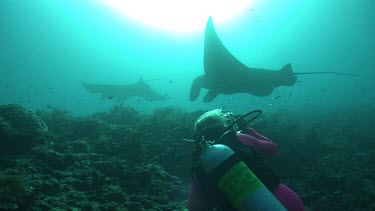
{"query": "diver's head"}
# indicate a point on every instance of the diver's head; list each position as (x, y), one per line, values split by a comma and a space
(212, 124)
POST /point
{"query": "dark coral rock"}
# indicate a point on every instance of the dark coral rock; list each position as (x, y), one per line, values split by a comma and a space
(20, 129)
(11, 186)
(85, 128)
(79, 145)
(121, 115)
(53, 159)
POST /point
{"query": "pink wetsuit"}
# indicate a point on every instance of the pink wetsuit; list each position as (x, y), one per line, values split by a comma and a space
(265, 147)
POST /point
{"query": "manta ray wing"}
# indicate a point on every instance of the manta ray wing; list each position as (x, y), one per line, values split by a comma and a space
(122, 92)
(219, 63)
(144, 90)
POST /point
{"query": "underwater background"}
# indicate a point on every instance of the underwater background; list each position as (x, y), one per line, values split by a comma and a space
(65, 148)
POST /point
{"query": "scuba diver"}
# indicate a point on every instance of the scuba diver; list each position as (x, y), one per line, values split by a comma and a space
(228, 170)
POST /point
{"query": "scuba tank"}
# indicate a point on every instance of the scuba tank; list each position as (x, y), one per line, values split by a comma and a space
(223, 176)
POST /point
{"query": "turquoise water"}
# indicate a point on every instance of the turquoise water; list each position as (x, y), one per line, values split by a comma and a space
(48, 47)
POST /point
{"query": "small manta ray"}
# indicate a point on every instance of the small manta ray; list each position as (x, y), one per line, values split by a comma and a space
(225, 74)
(123, 92)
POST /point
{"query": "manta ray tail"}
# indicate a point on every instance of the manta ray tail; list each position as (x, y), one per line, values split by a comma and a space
(287, 69)
(336, 73)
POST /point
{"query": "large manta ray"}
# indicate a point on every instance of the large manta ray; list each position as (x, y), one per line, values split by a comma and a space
(225, 74)
(123, 92)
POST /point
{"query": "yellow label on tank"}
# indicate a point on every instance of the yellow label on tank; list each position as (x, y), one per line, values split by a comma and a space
(238, 183)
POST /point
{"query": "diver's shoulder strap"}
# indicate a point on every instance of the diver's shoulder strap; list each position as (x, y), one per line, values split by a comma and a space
(229, 138)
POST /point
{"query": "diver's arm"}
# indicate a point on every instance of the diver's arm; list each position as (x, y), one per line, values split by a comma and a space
(264, 147)
(252, 132)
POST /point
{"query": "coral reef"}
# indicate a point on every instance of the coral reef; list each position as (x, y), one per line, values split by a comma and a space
(20, 129)
(124, 160)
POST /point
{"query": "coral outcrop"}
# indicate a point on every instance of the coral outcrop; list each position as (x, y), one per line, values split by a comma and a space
(20, 129)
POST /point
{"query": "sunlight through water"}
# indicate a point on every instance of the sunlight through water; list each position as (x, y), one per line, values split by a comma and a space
(178, 16)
